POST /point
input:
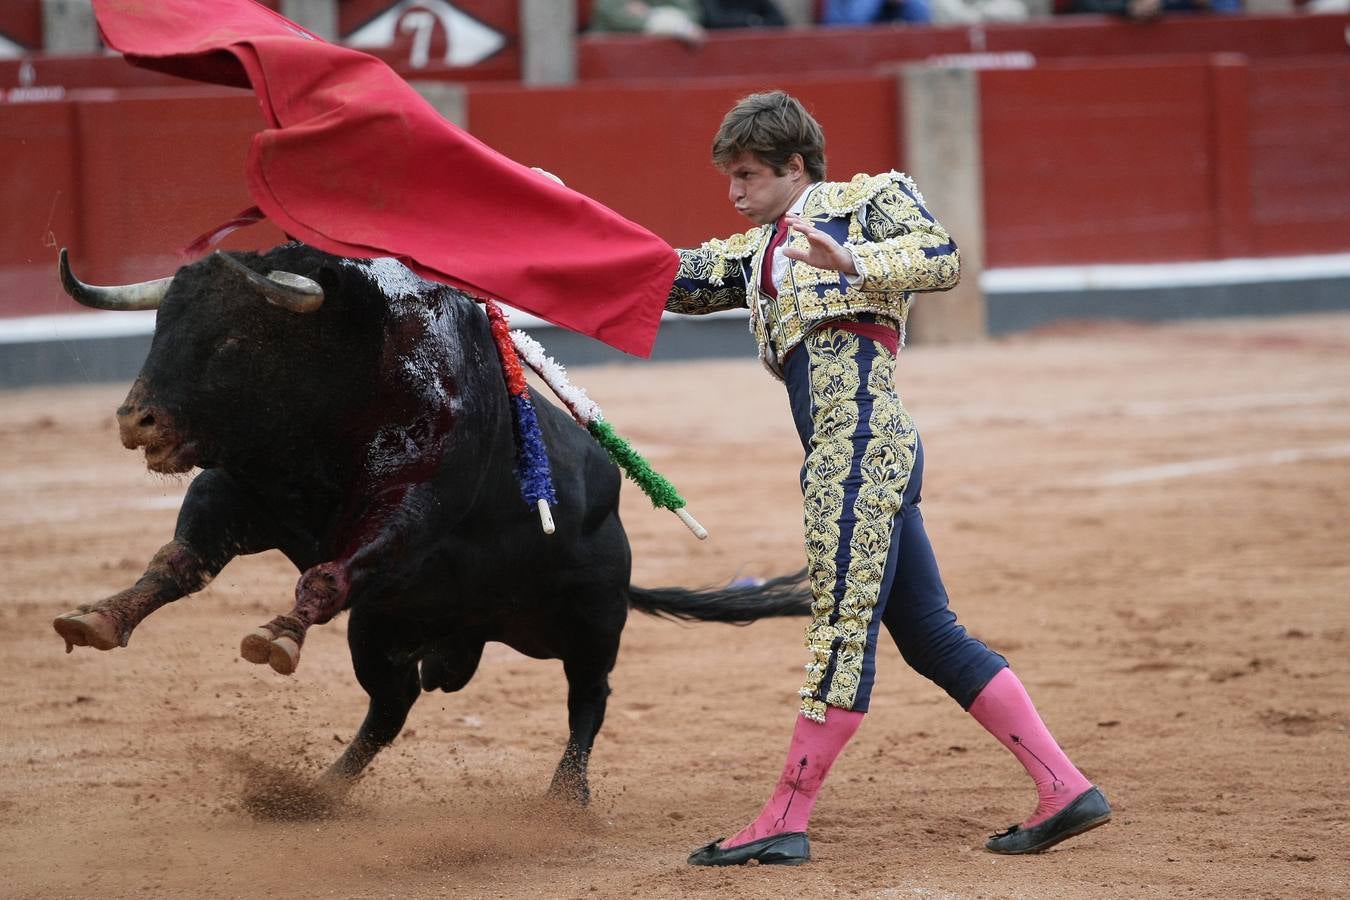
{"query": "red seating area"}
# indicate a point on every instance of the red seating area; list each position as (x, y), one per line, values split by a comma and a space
(1190, 139)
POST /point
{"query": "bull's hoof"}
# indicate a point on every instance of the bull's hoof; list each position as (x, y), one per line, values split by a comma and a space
(570, 789)
(260, 647)
(285, 655)
(256, 647)
(91, 629)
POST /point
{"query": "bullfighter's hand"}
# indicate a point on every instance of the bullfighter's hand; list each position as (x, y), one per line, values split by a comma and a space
(823, 251)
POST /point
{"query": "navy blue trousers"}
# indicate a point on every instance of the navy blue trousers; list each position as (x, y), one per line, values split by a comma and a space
(875, 440)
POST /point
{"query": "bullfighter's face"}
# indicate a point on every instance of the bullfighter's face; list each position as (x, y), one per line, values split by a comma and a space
(761, 194)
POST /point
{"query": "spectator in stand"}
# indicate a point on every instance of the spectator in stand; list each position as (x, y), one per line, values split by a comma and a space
(742, 14)
(1151, 9)
(680, 19)
(969, 12)
(865, 12)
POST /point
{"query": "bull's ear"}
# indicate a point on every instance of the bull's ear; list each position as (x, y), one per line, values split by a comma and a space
(329, 279)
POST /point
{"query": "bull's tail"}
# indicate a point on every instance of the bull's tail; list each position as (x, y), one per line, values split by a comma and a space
(735, 604)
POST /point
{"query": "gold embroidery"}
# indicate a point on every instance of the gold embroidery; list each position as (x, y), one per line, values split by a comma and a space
(887, 461)
(739, 246)
(835, 383)
(886, 464)
(710, 278)
(842, 198)
(886, 228)
(887, 232)
(855, 230)
(705, 300)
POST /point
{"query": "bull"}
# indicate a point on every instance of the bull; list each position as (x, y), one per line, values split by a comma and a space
(355, 417)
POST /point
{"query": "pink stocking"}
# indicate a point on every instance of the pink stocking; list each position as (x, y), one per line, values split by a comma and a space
(810, 755)
(1006, 712)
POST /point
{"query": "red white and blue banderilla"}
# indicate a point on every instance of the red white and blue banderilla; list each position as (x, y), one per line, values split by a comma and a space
(532, 469)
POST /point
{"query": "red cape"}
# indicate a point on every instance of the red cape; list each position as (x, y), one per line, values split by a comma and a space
(356, 163)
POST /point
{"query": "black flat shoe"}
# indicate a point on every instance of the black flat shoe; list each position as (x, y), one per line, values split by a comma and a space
(791, 849)
(1088, 810)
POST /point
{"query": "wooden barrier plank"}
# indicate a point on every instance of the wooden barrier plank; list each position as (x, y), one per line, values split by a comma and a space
(39, 196)
(1097, 163)
(1229, 149)
(1094, 37)
(21, 22)
(156, 173)
(1300, 156)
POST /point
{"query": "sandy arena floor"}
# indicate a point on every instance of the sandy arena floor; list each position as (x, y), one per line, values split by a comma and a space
(1153, 523)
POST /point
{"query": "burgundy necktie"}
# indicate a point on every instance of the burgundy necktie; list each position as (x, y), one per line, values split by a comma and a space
(766, 268)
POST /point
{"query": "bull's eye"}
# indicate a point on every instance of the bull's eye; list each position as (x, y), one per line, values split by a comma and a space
(228, 347)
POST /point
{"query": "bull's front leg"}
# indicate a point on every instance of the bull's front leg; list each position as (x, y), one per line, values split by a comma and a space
(321, 593)
(174, 572)
(380, 537)
(217, 522)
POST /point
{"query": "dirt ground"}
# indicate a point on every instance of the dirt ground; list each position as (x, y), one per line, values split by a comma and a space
(1151, 522)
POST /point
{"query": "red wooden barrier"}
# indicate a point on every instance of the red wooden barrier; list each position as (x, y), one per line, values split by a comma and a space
(1300, 156)
(644, 150)
(789, 52)
(157, 172)
(78, 72)
(39, 197)
(1230, 160)
(1097, 163)
(124, 182)
(1085, 162)
(21, 22)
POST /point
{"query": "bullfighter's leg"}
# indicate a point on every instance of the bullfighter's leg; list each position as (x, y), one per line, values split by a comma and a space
(175, 571)
(587, 695)
(393, 687)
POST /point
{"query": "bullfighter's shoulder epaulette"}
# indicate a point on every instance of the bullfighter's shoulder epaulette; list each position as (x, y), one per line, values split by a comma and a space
(840, 198)
(738, 246)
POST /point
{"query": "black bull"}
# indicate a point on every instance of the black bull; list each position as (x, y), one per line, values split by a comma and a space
(359, 422)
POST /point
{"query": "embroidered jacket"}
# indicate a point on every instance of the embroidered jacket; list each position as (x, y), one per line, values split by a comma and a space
(897, 245)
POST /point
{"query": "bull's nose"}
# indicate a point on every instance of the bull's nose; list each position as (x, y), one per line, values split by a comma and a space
(139, 422)
(134, 416)
(136, 426)
(135, 419)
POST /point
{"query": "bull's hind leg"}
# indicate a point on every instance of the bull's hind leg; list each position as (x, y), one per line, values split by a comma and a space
(587, 695)
(390, 679)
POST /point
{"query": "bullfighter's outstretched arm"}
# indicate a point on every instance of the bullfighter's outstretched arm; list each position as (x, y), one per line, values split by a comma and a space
(710, 277)
(217, 522)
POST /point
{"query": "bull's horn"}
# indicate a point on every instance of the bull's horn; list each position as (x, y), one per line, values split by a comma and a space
(145, 295)
(285, 289)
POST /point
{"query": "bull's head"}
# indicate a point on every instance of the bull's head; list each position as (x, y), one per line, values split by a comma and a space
(222, 363)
